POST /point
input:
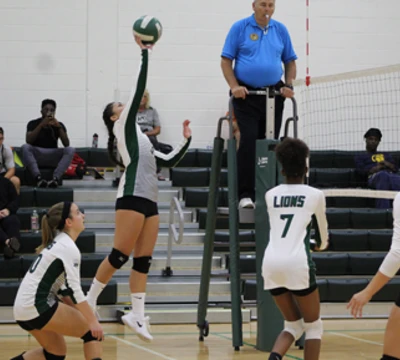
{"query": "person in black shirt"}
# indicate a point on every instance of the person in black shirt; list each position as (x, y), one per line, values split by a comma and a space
(41, 148)
(9, 222)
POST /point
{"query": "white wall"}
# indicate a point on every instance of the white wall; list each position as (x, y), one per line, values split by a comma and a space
(81, 53)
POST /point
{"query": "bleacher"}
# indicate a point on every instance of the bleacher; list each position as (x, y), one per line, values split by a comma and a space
(360, 236)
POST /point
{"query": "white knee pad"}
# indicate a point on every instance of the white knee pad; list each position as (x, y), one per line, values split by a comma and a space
(314, 330)
(295, 328)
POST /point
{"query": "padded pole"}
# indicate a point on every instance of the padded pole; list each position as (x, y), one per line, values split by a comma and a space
(234, 256)
(270, 321)
(216, 164)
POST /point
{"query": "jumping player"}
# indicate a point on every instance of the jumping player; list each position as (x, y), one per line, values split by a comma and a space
(54, 276)
(387, 270)
(136, 218)
(287, 269)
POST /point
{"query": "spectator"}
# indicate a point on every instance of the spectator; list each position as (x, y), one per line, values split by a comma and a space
(258, 45)
(42, 149)
(379, 167)
(149, 122)
(7, 165)
(9, 222)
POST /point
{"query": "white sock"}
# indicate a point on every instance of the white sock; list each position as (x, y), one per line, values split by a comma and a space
(138, 304)
(95, 290)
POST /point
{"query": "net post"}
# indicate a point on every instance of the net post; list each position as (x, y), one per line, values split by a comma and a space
(270, 113)
(270, 321)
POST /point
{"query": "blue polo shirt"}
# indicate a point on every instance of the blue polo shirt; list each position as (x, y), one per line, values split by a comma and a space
(258, 54)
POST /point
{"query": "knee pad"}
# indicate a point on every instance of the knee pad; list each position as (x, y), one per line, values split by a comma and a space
(314, 330)
(88, 337)
(295, 328)
(387, 357)
(117, 259)
(49, 356)
(142, 264)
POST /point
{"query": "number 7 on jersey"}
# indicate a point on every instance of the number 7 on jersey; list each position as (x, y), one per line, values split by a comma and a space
(288, 218)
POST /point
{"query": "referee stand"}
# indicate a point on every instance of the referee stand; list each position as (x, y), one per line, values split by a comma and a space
(270, 321)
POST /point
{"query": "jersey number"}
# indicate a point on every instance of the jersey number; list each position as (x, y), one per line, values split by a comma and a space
(288, 218)
(35, 263)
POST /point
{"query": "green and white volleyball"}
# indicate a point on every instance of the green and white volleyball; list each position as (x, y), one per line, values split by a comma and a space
(148, 28)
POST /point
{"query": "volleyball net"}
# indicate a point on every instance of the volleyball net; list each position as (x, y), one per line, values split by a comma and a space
(335, 111)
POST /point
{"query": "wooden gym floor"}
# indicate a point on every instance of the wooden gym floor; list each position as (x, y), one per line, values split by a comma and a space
(343, 340)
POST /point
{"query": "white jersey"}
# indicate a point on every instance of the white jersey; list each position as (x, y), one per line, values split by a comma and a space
(391, 263)
(55, 272)
(287, 259)
(137, 152)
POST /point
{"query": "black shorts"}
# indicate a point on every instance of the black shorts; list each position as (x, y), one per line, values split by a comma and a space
(282, 290)
(39, 322)
(135, 203)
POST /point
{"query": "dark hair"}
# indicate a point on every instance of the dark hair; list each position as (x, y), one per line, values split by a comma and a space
(50, 223)
(292, 154)
(1, 131)
(373, 132)
(49, 101)
(107, 113)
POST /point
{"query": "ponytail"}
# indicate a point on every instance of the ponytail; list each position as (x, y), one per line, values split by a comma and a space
(107, 113)
(50, 222)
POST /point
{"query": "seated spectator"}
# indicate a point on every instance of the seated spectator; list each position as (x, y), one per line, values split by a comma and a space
(9, 222)
(379, 167)
(149, 122)
(7, 165)
(42, 149)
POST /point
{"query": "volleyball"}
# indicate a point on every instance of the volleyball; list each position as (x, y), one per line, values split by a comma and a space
(148, 28)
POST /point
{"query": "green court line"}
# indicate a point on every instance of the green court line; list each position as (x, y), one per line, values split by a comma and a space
(251, 345)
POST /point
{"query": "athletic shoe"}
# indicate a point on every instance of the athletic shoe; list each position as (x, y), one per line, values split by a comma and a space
(141, 326)
(246, 203)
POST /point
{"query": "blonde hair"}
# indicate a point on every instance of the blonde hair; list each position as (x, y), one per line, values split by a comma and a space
(147, 94)
(50, 222)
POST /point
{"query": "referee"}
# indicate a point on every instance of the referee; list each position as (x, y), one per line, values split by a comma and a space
(258, 45)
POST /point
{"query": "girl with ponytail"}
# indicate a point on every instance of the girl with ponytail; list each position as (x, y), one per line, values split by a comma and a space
(136, 217)
(53, 276)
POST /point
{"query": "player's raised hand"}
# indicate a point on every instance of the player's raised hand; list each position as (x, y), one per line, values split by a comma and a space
(141, 45)
(187, 132)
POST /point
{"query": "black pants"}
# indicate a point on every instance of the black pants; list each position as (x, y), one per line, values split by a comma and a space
(156, 145)
(9, 227)
(250, 114)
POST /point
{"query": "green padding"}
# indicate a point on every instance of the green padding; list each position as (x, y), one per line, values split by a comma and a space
(330, 263)
(190, 177)
(30, 241)
(20, 173)
(247, 264)
(350, 202)
(83, 153)
(247, 241)
(204, 157)
(10, 268)
(90, 264)
(322, 159)
(108, 296)
(27, 197)
(250, 290)
(348, 240)
(8, 291)
(380, 240)
(24, 216)
(342, 290)
(328, 178)
(345, 159)
(244, 236)
(369, 219)
(365, 264)
(390, 292)
(189, 160)
(199, 197)
(99, 158)
(49, 197)
(46, 174)
(224, 178)
(338, 218)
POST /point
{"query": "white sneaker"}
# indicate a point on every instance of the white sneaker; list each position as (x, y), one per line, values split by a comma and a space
(246, 203)
(141, 326)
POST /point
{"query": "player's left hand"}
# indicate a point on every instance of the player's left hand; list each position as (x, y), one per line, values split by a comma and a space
(287, 92)
(357, 303)
(187, 132)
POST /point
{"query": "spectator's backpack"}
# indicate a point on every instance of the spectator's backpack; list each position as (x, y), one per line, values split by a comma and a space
(77, 168)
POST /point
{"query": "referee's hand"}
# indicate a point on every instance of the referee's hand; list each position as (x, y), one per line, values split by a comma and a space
(240, 92)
